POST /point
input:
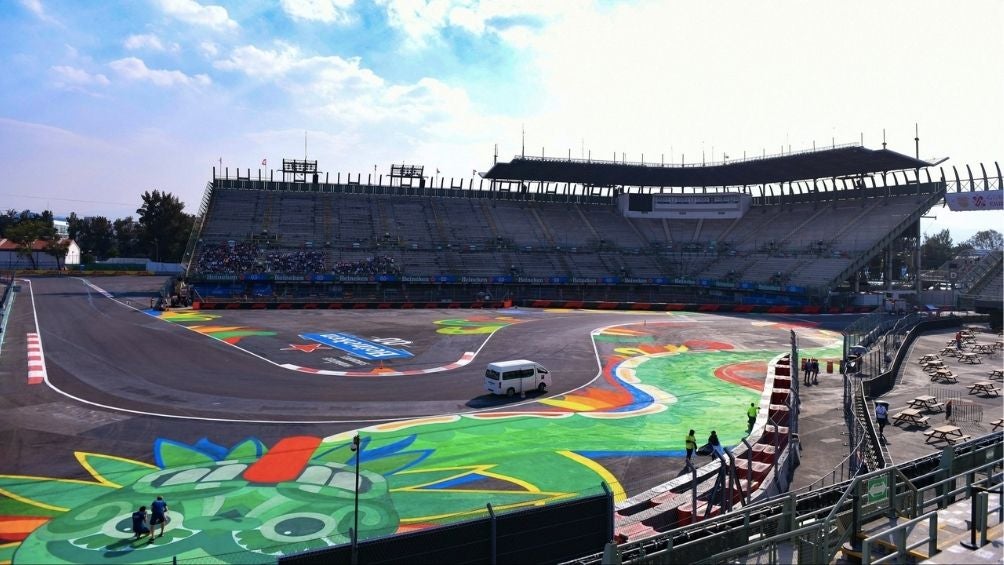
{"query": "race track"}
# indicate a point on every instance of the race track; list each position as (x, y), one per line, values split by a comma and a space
(136, 403)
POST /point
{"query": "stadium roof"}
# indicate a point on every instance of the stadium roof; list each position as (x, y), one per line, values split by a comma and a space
(843, 161)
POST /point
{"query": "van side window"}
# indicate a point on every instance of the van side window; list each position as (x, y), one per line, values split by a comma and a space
(508, 375)
(526, 373)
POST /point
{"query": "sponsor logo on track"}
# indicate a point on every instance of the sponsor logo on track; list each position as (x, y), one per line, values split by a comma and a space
(358, 346)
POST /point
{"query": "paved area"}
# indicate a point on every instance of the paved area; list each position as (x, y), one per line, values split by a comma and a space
(973, 413)
(266, 403)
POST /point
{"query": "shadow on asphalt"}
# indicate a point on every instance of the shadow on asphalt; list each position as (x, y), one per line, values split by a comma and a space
(494, 400)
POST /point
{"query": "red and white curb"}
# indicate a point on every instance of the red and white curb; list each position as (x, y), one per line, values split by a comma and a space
(36, 361)
(467, 357)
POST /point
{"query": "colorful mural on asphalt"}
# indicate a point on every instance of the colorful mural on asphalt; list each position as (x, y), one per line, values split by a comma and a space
(229, 334)
(251, 502)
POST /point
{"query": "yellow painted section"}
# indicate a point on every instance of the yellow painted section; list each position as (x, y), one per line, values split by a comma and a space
(607, 476)
(82, 459)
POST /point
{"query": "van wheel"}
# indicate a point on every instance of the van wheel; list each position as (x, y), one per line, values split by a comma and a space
(511, 392)
(542, 387)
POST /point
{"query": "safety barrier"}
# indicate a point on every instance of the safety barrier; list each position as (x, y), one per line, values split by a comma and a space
(285, 304)
(899, 534)
(546, 534)
(812, 527)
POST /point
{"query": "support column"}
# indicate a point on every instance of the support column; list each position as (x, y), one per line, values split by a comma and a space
(888, 267)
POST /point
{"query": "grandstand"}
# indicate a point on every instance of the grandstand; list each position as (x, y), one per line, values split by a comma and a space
(522, 232)
(520, 235)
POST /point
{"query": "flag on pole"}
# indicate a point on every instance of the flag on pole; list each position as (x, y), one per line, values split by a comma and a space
(437, 171)
(264, 162)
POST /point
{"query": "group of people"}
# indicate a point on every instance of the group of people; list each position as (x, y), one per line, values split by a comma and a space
(379, 265)
(144, 524)
(229, 259)
(248, 257)
(714, 445)
(810, 372)
(299, 262)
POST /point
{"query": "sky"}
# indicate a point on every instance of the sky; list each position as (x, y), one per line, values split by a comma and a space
(101, 101)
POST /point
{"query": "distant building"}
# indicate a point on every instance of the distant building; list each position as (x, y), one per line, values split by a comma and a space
(62, 227)
(9, 259)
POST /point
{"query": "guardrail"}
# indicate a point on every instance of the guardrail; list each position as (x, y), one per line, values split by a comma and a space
(981, 511)
(790, 531)
(899, 534)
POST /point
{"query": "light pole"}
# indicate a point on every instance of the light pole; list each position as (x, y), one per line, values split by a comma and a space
(355, 512)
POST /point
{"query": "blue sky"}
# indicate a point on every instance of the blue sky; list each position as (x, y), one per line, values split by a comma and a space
(100, 101)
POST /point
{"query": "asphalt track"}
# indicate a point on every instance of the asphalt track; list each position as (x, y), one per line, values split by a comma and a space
(120, 377)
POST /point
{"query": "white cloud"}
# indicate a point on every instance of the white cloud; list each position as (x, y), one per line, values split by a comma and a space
(209, 49)
(135, 69)
(150, 42)
(36, 7)
(191, 12)
(422, 21)
(343, 92)
(73, 78)
(287, 59)
(326, 11)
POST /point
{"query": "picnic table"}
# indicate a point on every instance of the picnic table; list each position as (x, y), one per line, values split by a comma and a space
(944, 376)
(928, 403)
(929, 357)
(931, 366)
(984, 387)
(971, 358)
(985, 348)
(948, 433)
(950, 351)
(997, 424)
(910, 417)
(997, 374)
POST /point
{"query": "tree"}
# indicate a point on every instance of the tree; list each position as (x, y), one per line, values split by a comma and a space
(58, 250)
(163, 226)
(73, 225)
(98, 235)
(24, 235)
(986, 240)
(126, 237)
(937, 249)
(7, 220)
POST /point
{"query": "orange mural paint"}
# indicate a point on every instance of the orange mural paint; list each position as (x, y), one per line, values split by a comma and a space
(284, 462)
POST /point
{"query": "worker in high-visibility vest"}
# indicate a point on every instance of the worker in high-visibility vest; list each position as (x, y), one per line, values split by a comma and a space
(751, 412)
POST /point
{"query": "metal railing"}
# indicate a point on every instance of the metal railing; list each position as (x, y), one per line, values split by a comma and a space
(762, 157)
(793, 529)
(899, 534)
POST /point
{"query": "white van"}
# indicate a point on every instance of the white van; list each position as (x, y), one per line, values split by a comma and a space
(516, 377)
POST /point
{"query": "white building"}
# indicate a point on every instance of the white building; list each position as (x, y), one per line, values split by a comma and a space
(9, 259)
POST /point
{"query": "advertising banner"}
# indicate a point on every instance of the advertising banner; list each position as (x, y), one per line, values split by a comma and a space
(975, 200)
(358, 346)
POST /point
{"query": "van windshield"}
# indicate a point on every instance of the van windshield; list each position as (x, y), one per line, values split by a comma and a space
(491, 374)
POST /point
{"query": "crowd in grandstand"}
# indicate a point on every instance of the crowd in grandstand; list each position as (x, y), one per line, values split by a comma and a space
(247, 257)
(295, 262)
(227, 258)
(380, 265)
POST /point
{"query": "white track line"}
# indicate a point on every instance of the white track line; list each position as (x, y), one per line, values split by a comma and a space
(244, 421)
